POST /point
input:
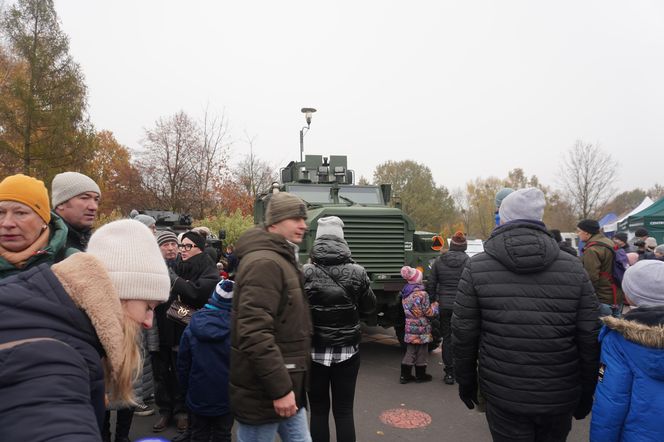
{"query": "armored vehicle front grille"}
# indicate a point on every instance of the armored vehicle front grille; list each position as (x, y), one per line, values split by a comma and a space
(377, 243)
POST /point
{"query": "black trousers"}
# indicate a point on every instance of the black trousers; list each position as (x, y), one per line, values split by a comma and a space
(211, 428)
(508, 427)
(340, 380)
(168, 395)
(446, 333)
(122, 424)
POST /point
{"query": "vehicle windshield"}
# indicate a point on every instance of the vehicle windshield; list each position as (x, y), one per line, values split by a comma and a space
(323, 195)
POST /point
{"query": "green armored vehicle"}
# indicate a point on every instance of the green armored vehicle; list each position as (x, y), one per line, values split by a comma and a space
(382, 239)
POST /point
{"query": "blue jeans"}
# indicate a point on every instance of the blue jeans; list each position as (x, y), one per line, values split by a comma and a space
(293, 429)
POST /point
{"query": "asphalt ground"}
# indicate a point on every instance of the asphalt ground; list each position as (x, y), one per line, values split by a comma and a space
(379, 391)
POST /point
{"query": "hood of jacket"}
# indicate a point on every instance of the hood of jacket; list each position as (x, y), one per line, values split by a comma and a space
(643, 326)
(523, 247)
(454, 258)
(212, 322)
(409, 288)
(329, 250)
(257, 239)
(75, 298)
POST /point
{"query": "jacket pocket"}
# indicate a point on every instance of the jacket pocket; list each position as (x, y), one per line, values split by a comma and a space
(297, 369)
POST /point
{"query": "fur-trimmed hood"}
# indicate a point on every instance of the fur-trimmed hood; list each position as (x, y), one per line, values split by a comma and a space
(643, 326)
(88, 285)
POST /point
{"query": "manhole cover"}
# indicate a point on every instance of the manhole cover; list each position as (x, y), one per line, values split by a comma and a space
(404, 418)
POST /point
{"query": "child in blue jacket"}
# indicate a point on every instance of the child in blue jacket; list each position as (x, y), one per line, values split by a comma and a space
(629, 398)
(203, 366)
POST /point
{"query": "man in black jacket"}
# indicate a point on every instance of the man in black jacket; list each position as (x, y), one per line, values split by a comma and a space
(528, 311)
(443, 281)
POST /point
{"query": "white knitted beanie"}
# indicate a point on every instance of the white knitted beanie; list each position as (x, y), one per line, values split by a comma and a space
(330, 225)
(129, 252)
(67, 185)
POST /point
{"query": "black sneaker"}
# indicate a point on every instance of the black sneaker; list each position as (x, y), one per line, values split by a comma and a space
(143, 410)
(449, 379)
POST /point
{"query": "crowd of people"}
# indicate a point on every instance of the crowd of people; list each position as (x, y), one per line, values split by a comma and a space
(534, 332)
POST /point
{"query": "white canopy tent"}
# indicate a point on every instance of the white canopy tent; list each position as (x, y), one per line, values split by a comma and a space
(647, 202)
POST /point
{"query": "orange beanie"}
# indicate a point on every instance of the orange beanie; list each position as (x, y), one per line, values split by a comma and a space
(29, 191)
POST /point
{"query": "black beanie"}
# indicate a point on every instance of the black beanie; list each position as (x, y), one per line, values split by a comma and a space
(641, 232)
(589, 225)
(622, 236)
(196, 239)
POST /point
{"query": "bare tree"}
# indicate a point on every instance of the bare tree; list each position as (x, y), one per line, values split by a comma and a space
(211, 165)
(656, 192)
(170, 160)
(255, 175)
(586, 176)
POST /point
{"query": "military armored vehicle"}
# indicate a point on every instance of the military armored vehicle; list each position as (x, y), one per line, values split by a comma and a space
(382, 238)
(168, 220)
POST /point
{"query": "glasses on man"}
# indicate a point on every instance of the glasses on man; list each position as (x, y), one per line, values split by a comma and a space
(186, 247)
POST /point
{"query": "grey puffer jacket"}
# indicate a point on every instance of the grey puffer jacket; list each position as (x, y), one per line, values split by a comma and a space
(529, 312)
(338, 291)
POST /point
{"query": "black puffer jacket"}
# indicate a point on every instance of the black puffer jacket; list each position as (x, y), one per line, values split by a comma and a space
(335, 310)
(444, 277)
(529, 311)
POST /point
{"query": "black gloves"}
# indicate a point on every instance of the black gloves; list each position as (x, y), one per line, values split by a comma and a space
(584, 406)
(468, 394)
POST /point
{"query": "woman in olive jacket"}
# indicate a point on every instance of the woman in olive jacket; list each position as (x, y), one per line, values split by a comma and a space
(338, 291)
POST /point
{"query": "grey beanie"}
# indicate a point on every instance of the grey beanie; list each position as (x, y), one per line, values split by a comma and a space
(330, 225)
(522, 204)
(501, 194)
(651, 243)
(643, 283)
(283, 205)
(166, 236)
(145, 219)
(67, 185)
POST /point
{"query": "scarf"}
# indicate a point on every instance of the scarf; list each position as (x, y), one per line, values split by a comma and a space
(21, 258)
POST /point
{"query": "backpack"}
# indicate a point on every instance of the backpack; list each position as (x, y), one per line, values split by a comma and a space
(620, 264)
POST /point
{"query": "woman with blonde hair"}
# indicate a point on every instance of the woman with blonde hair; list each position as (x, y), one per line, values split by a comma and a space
(69, 337)
(30, 234)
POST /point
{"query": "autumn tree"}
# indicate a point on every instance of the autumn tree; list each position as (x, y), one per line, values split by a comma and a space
(182, 162)
(119, 180)
(42, 94)
(430, 206)
(558, 212)
(481, 207)
(587, 174)
(625, 201)
(517, 179)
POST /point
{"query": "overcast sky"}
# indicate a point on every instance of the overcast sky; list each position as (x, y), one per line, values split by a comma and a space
(470, 88)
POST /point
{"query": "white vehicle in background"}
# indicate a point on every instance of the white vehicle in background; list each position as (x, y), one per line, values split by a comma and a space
(474, 247)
